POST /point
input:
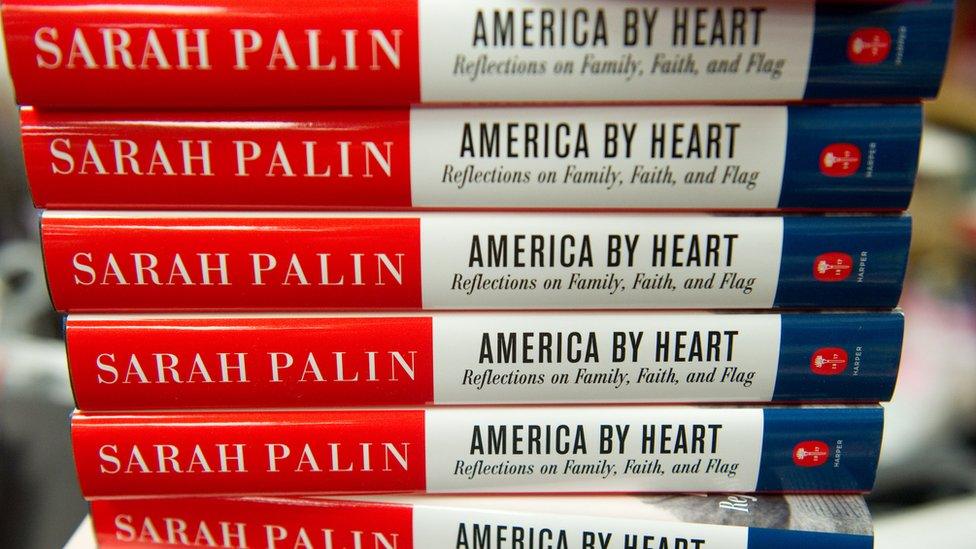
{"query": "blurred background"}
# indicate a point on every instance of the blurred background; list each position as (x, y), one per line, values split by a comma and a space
(926, 489)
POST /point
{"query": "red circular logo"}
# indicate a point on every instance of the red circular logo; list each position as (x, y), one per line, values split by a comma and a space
(810, 453)
(828, 361)
(832, 267)
(869, 46)
(840, 160)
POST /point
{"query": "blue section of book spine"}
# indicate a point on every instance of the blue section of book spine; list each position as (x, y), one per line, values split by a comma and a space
(870, 344)
(870, 254)
(763, 538)
(820, 449)
(888, 139)
(917, 42)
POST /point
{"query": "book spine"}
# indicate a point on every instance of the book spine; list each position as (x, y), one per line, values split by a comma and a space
(131, 262)
(759, 158)
(171, 362)
(629, 449)
(326, 53)
(290, 522)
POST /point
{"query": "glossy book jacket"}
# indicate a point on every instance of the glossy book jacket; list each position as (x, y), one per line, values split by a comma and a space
(680, 521)
(635, 157)
(159, 261)
(290, 53)
(581, 449)
(160, 362)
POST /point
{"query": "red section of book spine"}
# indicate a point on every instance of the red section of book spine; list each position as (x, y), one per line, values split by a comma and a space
(335, 159)
(250, 453)
(219, 52)
(265, 522)
(250, 362)
(131, 264)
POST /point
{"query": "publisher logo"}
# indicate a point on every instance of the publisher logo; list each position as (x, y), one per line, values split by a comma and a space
(869, 46)
(840, 160)
(810, 453)
(832, 267)
(829, 361)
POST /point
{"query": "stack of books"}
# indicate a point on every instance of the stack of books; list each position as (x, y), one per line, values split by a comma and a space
(380, 274)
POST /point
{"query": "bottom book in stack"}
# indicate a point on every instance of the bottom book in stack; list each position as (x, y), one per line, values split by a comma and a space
(489, 522)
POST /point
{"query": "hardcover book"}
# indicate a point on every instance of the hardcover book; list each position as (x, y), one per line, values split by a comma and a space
(682, 521)
(732, 158)
(290, 53)
(158, 362)
(583, 449)
(102, 261)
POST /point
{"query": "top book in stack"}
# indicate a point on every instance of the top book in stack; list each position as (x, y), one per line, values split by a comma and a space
(291, 53)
